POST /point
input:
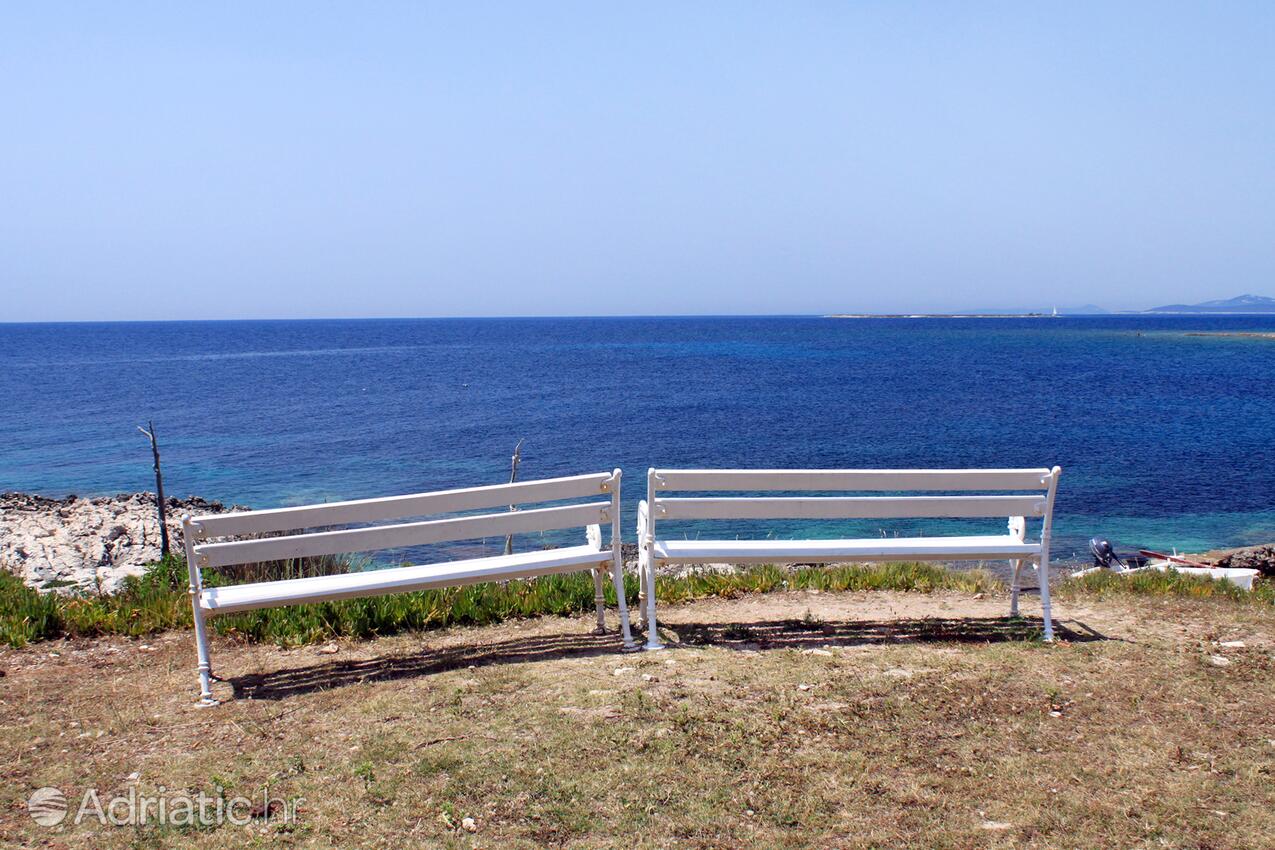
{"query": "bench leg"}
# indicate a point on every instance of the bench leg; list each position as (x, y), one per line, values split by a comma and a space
(617, 578)
(599, 601)
(206, 697)
(652, 633)
(641, 600)
(1013, 588)
(1044, 598)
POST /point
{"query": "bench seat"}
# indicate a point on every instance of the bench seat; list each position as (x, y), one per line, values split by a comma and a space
(299, 591)
(856, 549)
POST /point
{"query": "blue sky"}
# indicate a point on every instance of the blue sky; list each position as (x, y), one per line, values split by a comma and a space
(302, 160)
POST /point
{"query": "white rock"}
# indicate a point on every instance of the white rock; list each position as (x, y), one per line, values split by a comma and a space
(91, 543)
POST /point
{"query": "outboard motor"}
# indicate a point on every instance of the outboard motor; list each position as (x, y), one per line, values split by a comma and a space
(1105, 556)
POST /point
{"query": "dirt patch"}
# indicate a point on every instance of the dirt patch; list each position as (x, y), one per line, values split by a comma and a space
(783, 720)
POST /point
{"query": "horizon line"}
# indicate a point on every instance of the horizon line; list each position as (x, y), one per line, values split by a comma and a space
(841, 315)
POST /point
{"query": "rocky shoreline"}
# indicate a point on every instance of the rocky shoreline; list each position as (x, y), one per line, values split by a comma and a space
(92, 544)
(87, 544)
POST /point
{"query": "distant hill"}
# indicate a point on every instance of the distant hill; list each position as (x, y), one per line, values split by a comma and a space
(1239, 304)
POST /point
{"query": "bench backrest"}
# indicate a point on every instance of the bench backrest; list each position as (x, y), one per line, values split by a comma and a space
(1016, 494)
(601, 505)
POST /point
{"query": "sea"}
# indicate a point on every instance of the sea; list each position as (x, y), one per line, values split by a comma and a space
(1164, 425)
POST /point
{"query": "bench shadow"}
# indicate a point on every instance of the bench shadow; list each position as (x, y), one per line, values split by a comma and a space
(777, 634)
(282, 684)
(815, 633)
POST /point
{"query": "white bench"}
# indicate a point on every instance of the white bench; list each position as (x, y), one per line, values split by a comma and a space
(1024, 493)
(205, 550)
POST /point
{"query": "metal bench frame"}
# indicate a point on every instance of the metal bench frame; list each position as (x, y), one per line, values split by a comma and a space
(208, 547)
(659, 505)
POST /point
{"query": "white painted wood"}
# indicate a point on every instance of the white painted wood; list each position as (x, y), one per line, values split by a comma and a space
(400, 536)
(189, 535)
(1018, 531)
(398, 507)
(1045, 533)
(200, 553)
(271, 594)
(849, 479)
(836, 551)
(617, 564)
(644, 542)
(848, 507)
(593, 534)
(647, 564)
(1042, 483)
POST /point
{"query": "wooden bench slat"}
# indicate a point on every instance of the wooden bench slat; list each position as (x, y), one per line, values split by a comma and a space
(398, 507)
(401, 535)
(245, 597)
(995, 547)
(849, 479)
(849, 507)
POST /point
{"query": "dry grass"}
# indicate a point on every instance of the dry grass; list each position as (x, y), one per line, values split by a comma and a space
(783, 720)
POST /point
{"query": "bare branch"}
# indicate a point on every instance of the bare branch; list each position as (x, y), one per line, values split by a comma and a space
(513, 477)
(159, 489)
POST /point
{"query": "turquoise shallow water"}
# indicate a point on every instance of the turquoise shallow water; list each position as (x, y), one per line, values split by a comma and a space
(1166, 438)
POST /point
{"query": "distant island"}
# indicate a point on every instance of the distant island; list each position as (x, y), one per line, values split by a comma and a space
(1041, 313)
(937, 316)
(1238, 304)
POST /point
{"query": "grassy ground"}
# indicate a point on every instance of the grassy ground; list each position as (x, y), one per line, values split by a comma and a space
(158, 600)
(788, 719)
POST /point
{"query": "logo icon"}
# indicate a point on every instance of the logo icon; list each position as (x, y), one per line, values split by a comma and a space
(47, 806)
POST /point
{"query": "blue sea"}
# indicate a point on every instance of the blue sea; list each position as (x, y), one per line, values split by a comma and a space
(1166, 439)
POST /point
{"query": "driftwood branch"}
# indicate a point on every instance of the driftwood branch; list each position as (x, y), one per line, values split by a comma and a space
(513, 476)
(159, 488)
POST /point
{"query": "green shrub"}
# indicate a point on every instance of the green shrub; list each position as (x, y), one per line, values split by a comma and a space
(1104, 583)
(158, 600)
(26, 614)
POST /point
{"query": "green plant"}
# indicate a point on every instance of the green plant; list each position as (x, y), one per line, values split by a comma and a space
(1168, 583)
(158, 599)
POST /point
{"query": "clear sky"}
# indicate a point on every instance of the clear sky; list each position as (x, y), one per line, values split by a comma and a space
(228, 160)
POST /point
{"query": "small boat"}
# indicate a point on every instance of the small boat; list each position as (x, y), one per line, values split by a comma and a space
(1105, 558)
(1238, 576)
